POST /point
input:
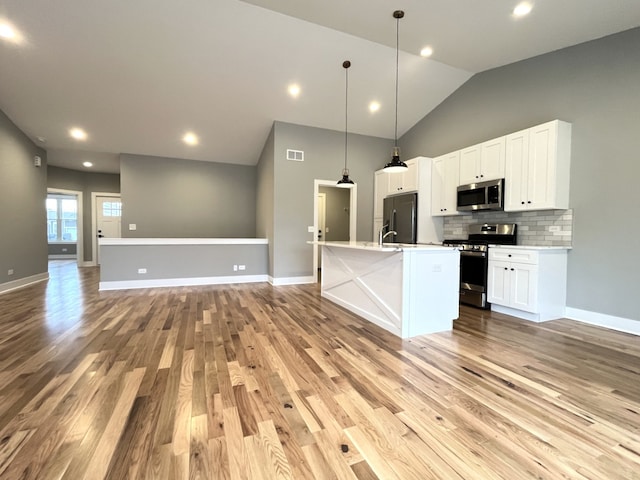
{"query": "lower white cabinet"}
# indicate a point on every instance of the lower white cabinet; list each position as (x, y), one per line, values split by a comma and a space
(529, 283)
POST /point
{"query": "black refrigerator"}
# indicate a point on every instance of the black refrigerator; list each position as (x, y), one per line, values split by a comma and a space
(401, 216)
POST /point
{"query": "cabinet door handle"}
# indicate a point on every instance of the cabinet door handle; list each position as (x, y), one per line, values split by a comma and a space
(512, 269)
(529, 201)
(506, 268)
(509, 255)
(481, 176)
(522, 202)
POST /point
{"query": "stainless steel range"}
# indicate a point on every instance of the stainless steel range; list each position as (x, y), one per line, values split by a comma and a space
(474, 259)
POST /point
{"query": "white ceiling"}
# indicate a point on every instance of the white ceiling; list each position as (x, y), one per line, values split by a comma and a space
(138, 74)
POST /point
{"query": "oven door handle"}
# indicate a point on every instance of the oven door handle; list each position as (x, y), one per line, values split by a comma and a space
(466, 253)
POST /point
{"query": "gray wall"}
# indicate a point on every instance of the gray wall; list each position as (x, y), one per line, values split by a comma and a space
(85, 182)
(265, 196)
(168, 197)
(337, 213)
(23, 218)
(293, 186)
(65, 249)
(120, 263)
(595, 86)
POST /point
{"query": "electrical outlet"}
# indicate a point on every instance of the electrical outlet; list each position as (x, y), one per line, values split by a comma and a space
(235, 268)
(242, 267)
(64, 250)
(437, 268)
(554, 228)
(142, 270)
(10, 271)
(326, 229)
(311, 229)
(132, 226)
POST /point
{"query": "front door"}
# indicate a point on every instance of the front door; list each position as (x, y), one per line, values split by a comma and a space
(108, 215)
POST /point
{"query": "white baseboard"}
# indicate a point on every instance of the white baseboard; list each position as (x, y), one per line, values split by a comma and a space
(86, 264)
(23, 282)
(621, 324)
(290, 280)
(180, 282)
(65, 256)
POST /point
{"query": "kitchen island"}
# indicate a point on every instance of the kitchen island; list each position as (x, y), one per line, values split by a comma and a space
(408, 290)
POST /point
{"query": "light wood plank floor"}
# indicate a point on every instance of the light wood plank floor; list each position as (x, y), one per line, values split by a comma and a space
(252, 382)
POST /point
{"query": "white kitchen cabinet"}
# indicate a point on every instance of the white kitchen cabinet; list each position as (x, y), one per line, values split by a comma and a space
(404, 182)
(444, 183)
(483, 162)
(529, 283)
(417, 178)
(537, 167)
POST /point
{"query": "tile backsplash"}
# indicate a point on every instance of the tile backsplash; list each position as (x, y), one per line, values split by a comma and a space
(533, 227)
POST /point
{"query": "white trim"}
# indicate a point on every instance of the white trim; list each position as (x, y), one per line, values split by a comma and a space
(63, 256)
(94, 228)
(291, 280)
(23, 282)
(180, 282)
(86, 264)
(621, 324)
(532, 317)
(353, 216)
(183, 241)
(79, 220)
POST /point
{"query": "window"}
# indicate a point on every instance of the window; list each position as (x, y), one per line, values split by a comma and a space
(111, 209)
(62, 218)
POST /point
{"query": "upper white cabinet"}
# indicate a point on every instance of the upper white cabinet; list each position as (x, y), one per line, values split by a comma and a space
(483, 162)
(406, 181)
(444, 183)
(537, 167)
(417, 178)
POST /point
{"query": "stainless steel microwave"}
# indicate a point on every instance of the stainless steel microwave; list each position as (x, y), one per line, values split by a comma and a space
(481, 196)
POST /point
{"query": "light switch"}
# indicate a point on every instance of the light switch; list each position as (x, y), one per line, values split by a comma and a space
(311, 229)
(132, 226)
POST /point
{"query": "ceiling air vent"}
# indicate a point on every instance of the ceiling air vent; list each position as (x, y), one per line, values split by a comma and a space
(295, 155)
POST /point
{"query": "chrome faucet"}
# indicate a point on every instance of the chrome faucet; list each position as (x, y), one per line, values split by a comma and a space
(381, 237)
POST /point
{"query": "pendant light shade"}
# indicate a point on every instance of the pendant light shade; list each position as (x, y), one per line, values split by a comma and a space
(396, 165)
(345, 180)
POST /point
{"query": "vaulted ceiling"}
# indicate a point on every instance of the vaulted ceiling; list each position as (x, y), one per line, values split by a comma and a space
(137, 75)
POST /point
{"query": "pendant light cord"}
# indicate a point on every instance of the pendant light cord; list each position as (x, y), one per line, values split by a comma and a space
(397, 67)
(346, 110)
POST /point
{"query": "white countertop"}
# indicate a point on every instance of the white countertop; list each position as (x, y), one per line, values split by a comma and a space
(386, 247)
(182, 241)
(531, 247)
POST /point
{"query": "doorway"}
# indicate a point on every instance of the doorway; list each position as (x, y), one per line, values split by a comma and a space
(106, 219)
(65, 224)
(332, 224)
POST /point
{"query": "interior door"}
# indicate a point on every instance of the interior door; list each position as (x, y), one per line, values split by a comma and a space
(108, 219)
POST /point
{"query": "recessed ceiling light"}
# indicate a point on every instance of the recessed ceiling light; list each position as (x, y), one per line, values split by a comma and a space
(190, 138)
(78, 134)
(374, 107)
(294, 90)
(7, 31)
(87, 164)
(426, 52)
(522, 9)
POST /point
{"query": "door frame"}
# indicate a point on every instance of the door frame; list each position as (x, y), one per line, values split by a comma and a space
(353, 215)
(94, 221)
(79, 222)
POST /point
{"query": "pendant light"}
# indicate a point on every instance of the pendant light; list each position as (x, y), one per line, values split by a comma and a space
(345, 180)
(396, 165)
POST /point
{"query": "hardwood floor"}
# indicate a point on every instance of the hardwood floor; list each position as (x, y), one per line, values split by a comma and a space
(252, 382)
